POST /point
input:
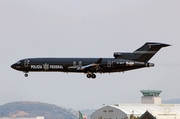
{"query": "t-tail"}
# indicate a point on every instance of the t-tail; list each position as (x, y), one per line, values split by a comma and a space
(142, 54)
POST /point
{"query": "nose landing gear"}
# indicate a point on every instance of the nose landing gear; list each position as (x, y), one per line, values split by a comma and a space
(26, 74)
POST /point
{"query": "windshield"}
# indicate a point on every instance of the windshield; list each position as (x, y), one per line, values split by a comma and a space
(18, 62)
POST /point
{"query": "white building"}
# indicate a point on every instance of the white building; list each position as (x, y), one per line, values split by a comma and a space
(150, 102)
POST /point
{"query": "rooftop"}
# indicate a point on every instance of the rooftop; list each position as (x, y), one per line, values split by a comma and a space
(151, 92)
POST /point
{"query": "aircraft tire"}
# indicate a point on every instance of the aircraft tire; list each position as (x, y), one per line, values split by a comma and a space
(93, 76)
(26, 75)
(88, 75)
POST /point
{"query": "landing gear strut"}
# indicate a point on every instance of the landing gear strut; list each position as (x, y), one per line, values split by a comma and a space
(93, 76)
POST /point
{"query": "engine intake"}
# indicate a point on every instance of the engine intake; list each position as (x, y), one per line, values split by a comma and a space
(117, 54)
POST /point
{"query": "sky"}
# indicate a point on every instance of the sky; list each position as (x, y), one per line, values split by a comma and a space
(91, 28)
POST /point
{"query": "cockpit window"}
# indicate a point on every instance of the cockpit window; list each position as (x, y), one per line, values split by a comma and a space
(18, 62)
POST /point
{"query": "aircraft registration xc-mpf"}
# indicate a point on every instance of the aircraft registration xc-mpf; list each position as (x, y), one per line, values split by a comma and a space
(120, 63)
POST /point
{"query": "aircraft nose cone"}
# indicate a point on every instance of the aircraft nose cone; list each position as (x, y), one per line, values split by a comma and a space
(13, 66)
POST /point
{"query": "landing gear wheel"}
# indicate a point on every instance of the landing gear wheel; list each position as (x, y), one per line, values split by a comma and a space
(26, 75)
(93, 76)
(88, 75)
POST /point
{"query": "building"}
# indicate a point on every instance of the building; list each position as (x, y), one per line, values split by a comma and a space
(150, 101)
(147, 115)
(151, 97)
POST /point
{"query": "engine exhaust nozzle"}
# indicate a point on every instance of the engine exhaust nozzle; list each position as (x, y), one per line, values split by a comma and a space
(149, 64)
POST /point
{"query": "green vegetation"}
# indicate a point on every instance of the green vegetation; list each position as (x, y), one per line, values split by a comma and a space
(133, 117)
(33, 109)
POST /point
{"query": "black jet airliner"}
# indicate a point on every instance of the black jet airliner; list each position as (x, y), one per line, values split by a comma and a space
(121, 62)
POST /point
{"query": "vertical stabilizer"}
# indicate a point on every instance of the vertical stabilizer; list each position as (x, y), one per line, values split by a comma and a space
(148, 50)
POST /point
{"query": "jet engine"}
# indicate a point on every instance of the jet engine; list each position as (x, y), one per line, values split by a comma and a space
(117, 54)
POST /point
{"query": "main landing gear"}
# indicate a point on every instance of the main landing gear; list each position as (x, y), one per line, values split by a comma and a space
(93, 76)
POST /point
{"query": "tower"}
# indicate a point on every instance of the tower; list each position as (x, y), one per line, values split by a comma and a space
(151, 97)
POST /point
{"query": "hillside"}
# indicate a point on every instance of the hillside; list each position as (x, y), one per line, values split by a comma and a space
(33, 109)
(172, 101)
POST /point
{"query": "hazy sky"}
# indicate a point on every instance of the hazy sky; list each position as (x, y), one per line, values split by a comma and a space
(82, 28)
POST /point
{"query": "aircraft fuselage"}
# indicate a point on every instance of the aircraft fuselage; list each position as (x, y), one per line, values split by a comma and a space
(120, 63)
(71, 64)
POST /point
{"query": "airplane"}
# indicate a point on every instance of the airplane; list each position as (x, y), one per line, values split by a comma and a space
(122, 61)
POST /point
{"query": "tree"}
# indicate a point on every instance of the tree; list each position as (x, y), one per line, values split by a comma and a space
(133, 117)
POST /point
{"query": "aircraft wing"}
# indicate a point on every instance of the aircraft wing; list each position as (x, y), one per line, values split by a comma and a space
(96, 64)
(86, 67)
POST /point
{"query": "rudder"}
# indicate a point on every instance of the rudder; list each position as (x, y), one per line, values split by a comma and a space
(148, 50)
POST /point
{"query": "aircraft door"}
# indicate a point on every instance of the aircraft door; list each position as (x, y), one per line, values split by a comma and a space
(109, 63)
(80, 63)
(74, 63)
(26, 63)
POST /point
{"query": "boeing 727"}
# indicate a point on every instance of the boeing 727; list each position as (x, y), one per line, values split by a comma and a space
(119, 63)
